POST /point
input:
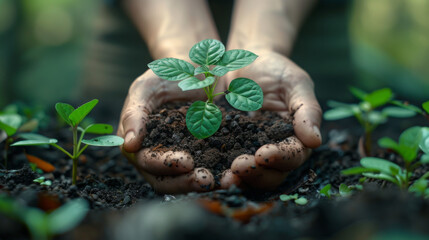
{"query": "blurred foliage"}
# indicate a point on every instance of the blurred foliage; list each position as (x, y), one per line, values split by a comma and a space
(390, 44)
(366, 43)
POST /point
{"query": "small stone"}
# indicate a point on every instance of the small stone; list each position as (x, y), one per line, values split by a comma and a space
(127, 200)
(228, 117)
(169, 198)
(236, 117)
(225, 130)
(234, 124)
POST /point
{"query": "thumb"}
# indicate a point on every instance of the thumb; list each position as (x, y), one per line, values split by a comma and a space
(132, 126)
(307, 113)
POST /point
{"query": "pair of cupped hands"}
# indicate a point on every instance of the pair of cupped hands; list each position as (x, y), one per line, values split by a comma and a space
(287, 90)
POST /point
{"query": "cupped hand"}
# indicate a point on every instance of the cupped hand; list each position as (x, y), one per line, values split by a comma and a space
(288, 90)
(166, 171)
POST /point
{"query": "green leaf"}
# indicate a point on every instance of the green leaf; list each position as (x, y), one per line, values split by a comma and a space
(99, 128)
(419, 186)
(172, 69)
(407, 106)
(360, 94)
(379, 97)
(203, 119)
(382, 176)
(301, 201)
(425, 106)
(336, 104)
(286, 198)
(424, 159)
(424, 145)
(375, 117)
(80, 113)
(326, 191)
(379, 164)
(195, 83)
(201, 69)
(409, 142)
(10, 123)
(244, 94)
(64, 110)
(338, 113)
(398, 112)
(388, 143)
(356, 170)
(207, 52)
(236, 59)
(344, 190)
(219, 71)
(67, 216)
(34, 136)
(34, 142)
(104, 141)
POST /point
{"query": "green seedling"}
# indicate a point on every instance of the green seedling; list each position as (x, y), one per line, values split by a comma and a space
(365, 111)
(74, 117)
(42, 225)
(343, 190)
(326, 191)
(408, 146)
(203, 119)
(9, 123)
(42, 181)
(298, 200)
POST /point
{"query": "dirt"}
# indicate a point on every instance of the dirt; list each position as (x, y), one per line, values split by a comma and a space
(238, 134)
(124, 206)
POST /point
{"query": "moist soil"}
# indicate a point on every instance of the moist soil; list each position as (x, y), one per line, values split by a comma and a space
(238, 134)
(124, 206)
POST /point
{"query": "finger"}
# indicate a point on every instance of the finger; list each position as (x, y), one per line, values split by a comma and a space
(199, 180)
(165, 163)
(228, 179)
(255, 175)
(283, 156)
(132, 125)
(307, 113)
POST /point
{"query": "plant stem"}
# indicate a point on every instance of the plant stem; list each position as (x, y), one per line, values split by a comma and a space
(368, 142)
(75, 155)
(6, 150)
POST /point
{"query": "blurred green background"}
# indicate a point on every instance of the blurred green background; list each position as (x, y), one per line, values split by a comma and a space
(49, 49)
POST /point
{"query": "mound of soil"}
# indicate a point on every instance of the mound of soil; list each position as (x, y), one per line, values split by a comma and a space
(238, 134)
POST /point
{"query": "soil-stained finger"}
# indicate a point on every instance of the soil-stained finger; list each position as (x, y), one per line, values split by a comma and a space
(165, 163)
(245, 165)
(228, 179)
(198, 180)
(283, 156)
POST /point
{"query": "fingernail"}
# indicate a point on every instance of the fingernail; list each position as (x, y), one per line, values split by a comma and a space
(317, 132)
(130, 136)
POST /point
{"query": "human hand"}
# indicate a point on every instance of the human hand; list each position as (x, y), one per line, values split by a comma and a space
(166, 172)
(288, 90)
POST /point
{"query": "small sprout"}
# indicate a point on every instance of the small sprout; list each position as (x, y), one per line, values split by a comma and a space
(298, 200)
(365, 111)
(74, 117)
(410, 141)
(42, 181)
(203, 119)
(326, 191)
(345, 190)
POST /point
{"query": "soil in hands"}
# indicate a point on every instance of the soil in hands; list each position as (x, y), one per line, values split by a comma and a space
(238, 134)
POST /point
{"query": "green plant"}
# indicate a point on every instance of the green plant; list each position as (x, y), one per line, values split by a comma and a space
(42, 181)
(42, 225)
(298, 200)
(9, 123)
(424, 110)
(203, 119)
(343, 190)
(365, 111)
(410, 141)
(74, 117)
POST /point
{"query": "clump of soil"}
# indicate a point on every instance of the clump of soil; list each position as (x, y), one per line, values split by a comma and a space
(238, 134)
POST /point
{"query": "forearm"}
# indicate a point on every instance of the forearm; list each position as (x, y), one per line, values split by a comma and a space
(267, 25)
(171, 27)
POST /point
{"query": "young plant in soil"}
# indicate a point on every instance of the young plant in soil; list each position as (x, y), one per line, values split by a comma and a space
(407, 147)
(9, 123)
(74, 117)
(42, 225)
(365, 111)
(203, 119)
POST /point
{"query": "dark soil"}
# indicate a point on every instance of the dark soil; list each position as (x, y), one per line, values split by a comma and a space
(124, 206)
(238, 134)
